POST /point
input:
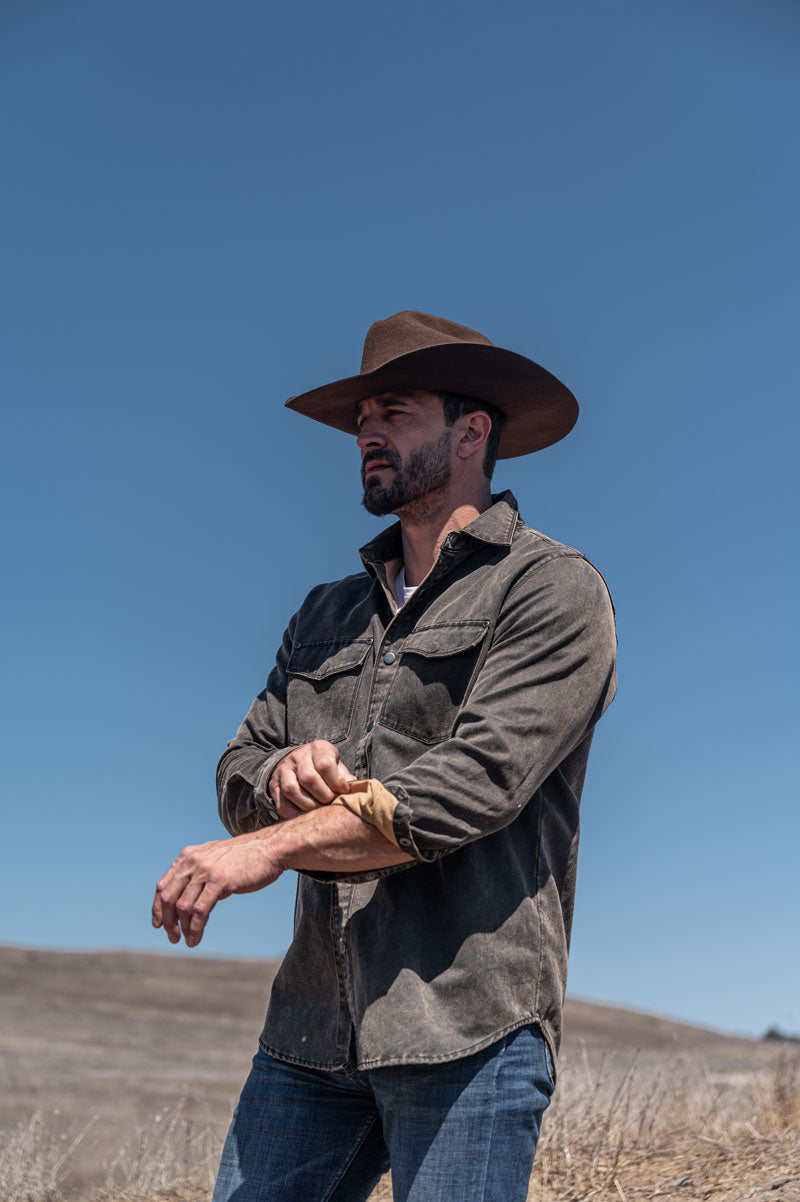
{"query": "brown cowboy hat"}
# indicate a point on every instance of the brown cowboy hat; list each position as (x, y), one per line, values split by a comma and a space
(412, 350)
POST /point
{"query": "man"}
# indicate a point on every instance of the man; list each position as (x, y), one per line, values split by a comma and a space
(417, 756)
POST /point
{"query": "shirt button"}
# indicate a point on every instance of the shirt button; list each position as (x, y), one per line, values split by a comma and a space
(342, 945)
(404, 842)
(389, 657)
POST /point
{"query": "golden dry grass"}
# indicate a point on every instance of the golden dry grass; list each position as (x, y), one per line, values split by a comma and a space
(168, 1159)
(622, 1129)
(119, 1072)
(679, 1131)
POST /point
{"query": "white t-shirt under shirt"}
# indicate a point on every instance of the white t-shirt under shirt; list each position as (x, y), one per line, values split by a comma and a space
(401, 589)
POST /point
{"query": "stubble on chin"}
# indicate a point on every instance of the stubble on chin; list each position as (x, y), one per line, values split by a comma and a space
(415, 488)
(379, 499)
(376, 502)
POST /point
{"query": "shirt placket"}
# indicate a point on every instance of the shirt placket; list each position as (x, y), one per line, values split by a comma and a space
(341, 897)
(343, 893)
(387, 651)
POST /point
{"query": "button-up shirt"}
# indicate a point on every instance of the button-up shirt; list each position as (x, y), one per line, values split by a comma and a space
(474, 706)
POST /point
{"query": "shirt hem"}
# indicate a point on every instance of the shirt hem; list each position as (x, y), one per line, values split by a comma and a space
(412, 1058)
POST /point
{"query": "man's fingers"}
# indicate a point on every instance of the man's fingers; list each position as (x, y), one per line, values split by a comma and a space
(185, 905)
(186, 895)
(309, 777)
(204, 904)
(201, 876)
(292, 789)
(163, 913)
(281, 802)
(285, 807)
(312, 783)
(168, 891)
(325, 758)
(306, 769)
(155, 913)
(170, 922)
(169, 915)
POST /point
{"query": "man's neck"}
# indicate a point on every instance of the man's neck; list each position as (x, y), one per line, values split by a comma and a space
(424, 530)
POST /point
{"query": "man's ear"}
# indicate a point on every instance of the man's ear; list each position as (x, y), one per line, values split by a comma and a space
(477, 428)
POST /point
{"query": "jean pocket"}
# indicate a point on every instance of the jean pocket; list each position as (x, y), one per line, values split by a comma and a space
(321, 690)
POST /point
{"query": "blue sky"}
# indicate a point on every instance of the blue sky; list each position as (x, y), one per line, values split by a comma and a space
(205, 205)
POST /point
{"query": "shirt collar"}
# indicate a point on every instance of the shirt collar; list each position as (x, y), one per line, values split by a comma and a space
(496, 525)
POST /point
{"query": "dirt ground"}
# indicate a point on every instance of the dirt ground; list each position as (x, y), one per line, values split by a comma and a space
(119, 1072)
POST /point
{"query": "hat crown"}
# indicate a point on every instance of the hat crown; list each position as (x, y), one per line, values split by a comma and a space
(409, 331)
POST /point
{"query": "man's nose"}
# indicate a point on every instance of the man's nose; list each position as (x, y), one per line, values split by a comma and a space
(370, 435)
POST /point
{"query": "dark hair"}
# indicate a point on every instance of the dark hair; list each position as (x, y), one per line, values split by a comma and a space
(456, 405)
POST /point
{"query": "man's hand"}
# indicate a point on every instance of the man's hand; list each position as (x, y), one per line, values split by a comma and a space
(309, 776)
(201, 876)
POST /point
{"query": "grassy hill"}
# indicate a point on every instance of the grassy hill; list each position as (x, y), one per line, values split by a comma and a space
(139, 1058)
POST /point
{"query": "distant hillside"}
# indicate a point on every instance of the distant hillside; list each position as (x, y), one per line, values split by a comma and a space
(131, 1036)
(160, 1009)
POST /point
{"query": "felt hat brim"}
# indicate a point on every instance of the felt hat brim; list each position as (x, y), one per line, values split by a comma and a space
(539, 409)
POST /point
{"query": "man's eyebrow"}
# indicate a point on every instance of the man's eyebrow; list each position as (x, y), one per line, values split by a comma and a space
(385, 402)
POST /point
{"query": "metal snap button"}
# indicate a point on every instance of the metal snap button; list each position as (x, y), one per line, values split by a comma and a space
(389, 657)
(370, 725)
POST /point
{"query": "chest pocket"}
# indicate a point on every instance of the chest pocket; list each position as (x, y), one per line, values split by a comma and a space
(321, 690)
(436, 667)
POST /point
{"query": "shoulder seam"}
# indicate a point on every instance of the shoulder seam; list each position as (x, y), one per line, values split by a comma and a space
(566, 553)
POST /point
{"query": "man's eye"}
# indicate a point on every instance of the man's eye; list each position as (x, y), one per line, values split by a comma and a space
(384, 413)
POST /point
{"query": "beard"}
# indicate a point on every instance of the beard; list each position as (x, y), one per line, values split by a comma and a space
(412, 483)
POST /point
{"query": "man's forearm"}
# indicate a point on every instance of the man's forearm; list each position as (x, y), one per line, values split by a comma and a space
(328, 839)
(331, 839)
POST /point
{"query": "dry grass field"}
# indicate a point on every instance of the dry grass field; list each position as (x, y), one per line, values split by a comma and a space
(119, 1072)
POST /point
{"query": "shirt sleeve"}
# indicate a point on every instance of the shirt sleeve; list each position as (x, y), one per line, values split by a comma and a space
(548, 676)
(260, 744)
(370, 801)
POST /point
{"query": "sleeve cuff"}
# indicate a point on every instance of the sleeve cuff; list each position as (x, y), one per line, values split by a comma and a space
(372, 803)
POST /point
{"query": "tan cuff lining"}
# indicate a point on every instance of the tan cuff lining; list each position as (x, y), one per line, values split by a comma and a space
(373, 803)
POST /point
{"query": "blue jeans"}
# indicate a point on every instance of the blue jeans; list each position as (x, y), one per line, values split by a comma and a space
(464, 1131)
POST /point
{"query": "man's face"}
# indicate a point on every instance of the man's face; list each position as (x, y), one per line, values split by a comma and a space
(406, 450)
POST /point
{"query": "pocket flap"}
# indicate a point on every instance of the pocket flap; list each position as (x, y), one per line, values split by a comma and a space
(326, 658)
(436, 641)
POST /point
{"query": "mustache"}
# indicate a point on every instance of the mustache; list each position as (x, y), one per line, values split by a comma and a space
(387, 457)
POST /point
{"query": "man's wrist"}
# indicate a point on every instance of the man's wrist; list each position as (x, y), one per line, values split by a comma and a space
(329, 838)
(277, 847)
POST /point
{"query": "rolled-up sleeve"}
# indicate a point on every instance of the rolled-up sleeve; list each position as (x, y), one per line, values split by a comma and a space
(548, 675)
(260, 744)
(370, 801)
